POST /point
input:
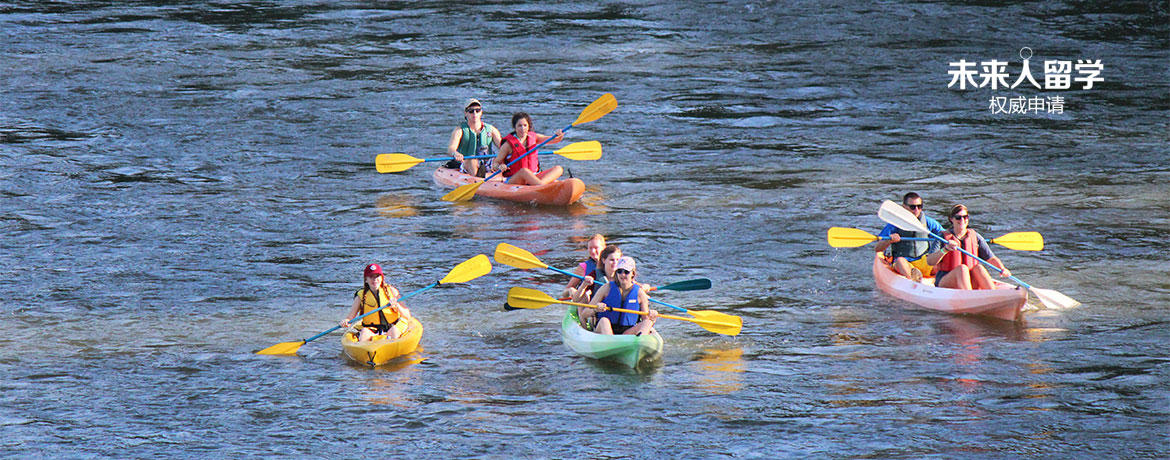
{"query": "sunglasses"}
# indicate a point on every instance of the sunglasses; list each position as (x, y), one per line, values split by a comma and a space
(962, 217)
(913, 206)
(474, 110)
(621, 271)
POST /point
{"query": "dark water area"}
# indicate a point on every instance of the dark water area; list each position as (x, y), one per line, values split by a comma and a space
(185, 183)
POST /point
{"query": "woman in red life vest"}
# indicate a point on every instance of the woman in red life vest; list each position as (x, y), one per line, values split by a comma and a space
(516, 144)
(392, 321)
(960, 271)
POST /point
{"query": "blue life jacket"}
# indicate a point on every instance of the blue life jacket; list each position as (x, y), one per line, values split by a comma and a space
(614, 300)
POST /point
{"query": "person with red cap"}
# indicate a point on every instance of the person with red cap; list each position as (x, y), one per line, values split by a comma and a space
(392, 318)
(623, 293)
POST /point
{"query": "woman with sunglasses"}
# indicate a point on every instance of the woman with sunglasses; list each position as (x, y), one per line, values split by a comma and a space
(624, 293)
(516, 144)
(472, 137)
(960, 271)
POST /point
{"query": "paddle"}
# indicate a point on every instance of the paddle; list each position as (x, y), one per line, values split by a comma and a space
(398, 162)
(698, 284)
(893, 213)
(519, 258)
(470, 269)
(532, 299)
(840, 237)
(603, 105)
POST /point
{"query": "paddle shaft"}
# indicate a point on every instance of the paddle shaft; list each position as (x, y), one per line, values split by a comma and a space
(659, 302)
(473, 157)
(989, 264)
(529, 152)
(642, 313)
(334, 328)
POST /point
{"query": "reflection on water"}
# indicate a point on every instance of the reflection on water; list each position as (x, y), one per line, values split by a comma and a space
(720, 371)
(393, 206)
(390, 385)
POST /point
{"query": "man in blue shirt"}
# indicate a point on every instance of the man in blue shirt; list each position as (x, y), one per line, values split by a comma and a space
(909, 257)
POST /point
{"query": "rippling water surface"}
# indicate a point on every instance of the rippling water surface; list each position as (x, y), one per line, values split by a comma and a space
(185, 183)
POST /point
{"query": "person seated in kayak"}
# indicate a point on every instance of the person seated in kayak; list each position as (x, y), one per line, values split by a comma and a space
(626, 294)
(516, 144)
(960, 271)
(609, 258)
(909, 257)
(588, 269)
(473, 137)
(375, 293)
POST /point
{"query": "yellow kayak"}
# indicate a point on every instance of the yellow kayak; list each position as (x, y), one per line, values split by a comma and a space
(381, 350)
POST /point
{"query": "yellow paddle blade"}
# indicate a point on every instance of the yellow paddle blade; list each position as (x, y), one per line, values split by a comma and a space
(603, 105)
(531, 298)
(395, 162)
(1021, 241)
(283, 348)
(511, 255)
(1053, 299)
(718, 327)
(463, 192)
(470, 269)
(716, 317)
(590, 150)
(841, 237)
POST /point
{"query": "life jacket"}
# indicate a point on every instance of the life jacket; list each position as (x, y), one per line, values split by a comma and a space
(614, 300)
(953, 259)
(911, 250)
(471, 142)
(532, 162)
(591, 270)
(371, 301)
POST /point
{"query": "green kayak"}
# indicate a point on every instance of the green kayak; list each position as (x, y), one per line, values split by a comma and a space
(626, 349)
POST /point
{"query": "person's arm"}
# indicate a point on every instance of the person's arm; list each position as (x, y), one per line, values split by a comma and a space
(887, 231)
(986, 254)
(357, 305)
(597, 296)
(557, 137)
(935, 257)
(500, 161)
(644, 305)
(453, 146)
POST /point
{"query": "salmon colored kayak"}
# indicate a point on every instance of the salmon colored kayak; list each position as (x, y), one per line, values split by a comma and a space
(1004, 302)
(556, 193)
(381, 350)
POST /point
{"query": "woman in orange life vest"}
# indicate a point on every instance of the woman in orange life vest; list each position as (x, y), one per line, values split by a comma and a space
(392, 321)
(517, 143)
(588, 269)
(623, 293)
(960, 271)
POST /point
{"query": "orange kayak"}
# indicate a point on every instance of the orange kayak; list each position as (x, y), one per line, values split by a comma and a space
(556, 193)
(1003, 302)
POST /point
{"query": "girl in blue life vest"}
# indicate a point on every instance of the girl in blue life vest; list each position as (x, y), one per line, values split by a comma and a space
(516, 144)
(626, 294)
(590, 269)
(391, 320)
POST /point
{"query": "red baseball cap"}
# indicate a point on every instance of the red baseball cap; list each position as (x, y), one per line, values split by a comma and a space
(373, 270)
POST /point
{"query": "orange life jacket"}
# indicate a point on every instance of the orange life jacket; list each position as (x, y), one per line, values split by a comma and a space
(953, 259)
(372, 300)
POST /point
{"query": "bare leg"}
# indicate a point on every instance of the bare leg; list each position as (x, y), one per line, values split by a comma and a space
(643, 327)
(550, 174)
(902, 266)
(981, 278)
(603, 327)
(365, 334)
(525, 176)
(959, 278)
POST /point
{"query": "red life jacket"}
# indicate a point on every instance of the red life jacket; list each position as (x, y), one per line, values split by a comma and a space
(953, 259)
(531, 161)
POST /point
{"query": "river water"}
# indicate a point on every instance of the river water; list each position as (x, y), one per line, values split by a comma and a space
(185, 183)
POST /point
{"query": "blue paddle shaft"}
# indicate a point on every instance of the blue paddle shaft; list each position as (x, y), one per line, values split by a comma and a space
(659, 302)
(474, 157)
(529, 152)
(334, 328)
(964, 251)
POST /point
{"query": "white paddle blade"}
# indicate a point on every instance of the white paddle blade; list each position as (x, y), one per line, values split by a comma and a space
(1054, 300)
(893, 213)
